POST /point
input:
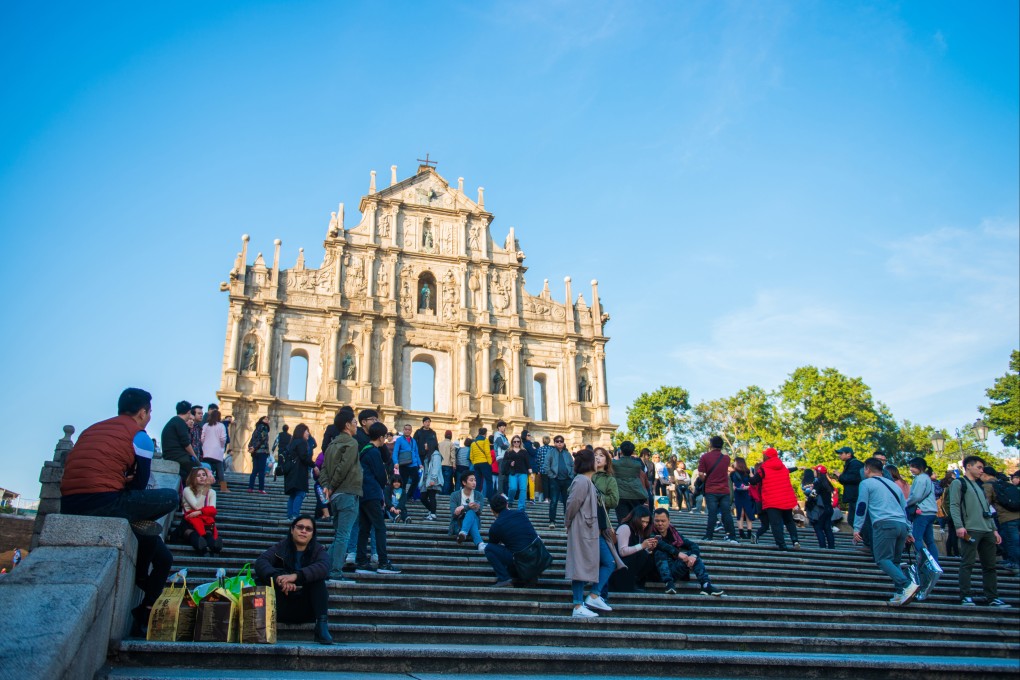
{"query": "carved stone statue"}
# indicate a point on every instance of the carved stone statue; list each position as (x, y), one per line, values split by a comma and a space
(382, 283)
(425, 297)
(250, 356)
(498, 383)
(384, 227)
(427, 240)
(584, 389)
(347, 367)
(475, 241)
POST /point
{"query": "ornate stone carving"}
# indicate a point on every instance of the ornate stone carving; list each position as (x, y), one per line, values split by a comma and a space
(348, 368)
(355, 283)
(475, 238)
(428, 243)
(382, 281)
(384, 226)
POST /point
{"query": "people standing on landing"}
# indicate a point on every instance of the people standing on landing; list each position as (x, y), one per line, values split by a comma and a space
(714, 465)
(258, 449)
(631, 480)
(740, 479)
(214, 446)
(974, 519)
(518, 470)
(560, 465)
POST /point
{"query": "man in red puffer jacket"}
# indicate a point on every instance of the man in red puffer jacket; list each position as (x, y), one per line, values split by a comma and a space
(778, 498)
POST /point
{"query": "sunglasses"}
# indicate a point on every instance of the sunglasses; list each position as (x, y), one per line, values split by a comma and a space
(303, 527)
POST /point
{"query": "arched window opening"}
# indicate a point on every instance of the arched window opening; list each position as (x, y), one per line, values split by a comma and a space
(297, 383)
(423, 386)
(538, 398)
(427, 292)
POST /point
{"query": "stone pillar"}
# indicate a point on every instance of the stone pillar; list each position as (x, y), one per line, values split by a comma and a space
(330, 362)
(600, 368)
(569, 317)
(234, 341)
(276, 266)
(486, 365)
(515, 358)
(49, 479)
(371, 182)
(387, 365)
(483, 303)
(596, 309)
(571, 391)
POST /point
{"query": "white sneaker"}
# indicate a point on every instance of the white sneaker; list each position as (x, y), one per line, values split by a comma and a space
(909, 592)
(835, 530)
(596, 602)
(350, 558)
(481, 547)
(583, 612)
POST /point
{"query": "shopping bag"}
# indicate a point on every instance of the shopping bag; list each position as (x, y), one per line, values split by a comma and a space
(236, 584)
(924, 570)
(662, 502)
(217, 618)
(258, 615)
(172, 618)
(200, 591)
(940, 539)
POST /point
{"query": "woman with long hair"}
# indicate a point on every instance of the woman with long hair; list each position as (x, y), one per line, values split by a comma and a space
(586, 562)
(297, 464)
(297, 567)
(682, 480)
(199, 504)
(518, 469)
(740, 479)
(635, 544)
(898, 480)
(258, 448)
(819, 508)
(214, 446)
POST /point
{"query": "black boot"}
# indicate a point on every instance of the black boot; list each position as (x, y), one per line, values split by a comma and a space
(198, 543)
(322, 635)
(140, 621)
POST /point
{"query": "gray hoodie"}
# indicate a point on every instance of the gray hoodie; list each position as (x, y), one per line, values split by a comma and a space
(876, 500)
(922, 494)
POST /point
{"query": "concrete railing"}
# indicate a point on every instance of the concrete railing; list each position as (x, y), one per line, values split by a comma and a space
(69, 602)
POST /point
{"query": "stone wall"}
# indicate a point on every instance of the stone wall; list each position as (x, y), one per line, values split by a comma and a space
(15, 532)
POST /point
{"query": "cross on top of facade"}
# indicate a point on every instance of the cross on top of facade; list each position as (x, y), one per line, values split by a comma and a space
(427, 163)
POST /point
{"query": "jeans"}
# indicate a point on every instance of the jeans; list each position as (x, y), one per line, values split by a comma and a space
(344, 507)
(823, 530)
(607, 565)
(983, 548)
(484, 472)
(152, 568)
(923, 531)
(672, 570)
(683, 494)
(258, 470)
(217, 468)
(1010, 532)
(719, 502)
(888, 538)
(518, 484)
(558, 491)
(471, 526)
(502, 561)
(370, 520)
(134, 505)
(411, 476)
(352, 542)
(626, 505)
(294, 501)
(447, 480)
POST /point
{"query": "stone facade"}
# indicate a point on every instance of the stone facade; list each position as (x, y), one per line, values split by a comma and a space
(419, 279)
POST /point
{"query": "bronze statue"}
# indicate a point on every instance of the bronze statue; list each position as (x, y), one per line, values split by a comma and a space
(348, 367)
(498, 383)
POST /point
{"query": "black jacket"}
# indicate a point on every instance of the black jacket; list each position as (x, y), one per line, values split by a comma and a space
(281, 559)
(427, 442)
(851, 479)
(296, 478)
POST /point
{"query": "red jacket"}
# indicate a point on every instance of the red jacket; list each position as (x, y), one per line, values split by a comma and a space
(776, 488)
(102, 456)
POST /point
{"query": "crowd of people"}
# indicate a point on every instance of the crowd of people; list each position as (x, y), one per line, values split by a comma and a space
(364, 477)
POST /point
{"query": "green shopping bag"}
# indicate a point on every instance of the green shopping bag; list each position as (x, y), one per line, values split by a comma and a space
(244, 579)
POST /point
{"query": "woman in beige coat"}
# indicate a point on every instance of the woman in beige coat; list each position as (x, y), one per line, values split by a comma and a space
(585, 560)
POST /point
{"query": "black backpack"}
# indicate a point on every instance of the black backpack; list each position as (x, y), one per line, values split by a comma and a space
(1007, 495)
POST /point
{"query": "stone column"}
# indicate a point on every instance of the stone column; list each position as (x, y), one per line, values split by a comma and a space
(332, 373)
(387, 365)
(486, 387)
(571, 391)
(462, 360)
(569, 318)
(233, 340)
(483, 303)
(600, 367)
(515, 352)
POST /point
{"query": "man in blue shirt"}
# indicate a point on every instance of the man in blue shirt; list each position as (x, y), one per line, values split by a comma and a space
(511, 532)
(405, 454)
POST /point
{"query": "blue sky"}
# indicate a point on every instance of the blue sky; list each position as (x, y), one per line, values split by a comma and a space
(757, 186)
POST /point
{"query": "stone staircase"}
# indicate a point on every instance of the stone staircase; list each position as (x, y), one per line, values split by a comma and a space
(808, 613)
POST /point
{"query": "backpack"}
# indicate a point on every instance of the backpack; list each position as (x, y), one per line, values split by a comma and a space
(1007, 495)
(285, 465)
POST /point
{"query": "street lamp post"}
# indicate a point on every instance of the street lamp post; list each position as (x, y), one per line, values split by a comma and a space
(980, 428)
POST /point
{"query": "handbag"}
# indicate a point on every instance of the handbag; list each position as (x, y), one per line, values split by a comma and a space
(609, 533)
(924, 569)
(532, 561)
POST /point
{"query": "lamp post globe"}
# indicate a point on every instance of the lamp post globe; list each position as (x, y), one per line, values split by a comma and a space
(980, 429)
(938, 442)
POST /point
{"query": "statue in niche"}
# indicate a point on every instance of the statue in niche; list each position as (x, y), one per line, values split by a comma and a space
(250, 356)
(384, 227)
(425, 297)
(347, 367)
(382, 283)
(584, 389)
(427, 239)
(498, 383)
(475, 241)
(447, 242)
(405, 295)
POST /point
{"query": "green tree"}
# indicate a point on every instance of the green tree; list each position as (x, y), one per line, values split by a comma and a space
(1003, 412)
(657, 420)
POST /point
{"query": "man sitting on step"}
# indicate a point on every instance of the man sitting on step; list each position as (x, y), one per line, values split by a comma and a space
(676, 558)
(106, 475)
(514, 550)
(466, 510)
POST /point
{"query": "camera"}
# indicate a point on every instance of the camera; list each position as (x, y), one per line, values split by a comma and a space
(989, 513)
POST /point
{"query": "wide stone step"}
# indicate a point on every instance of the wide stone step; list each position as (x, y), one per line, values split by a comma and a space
(469, 660)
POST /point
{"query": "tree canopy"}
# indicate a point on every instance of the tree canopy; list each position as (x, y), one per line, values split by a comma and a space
(1003, 411)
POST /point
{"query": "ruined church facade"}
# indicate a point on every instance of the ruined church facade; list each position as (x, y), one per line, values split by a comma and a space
(418, 280)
